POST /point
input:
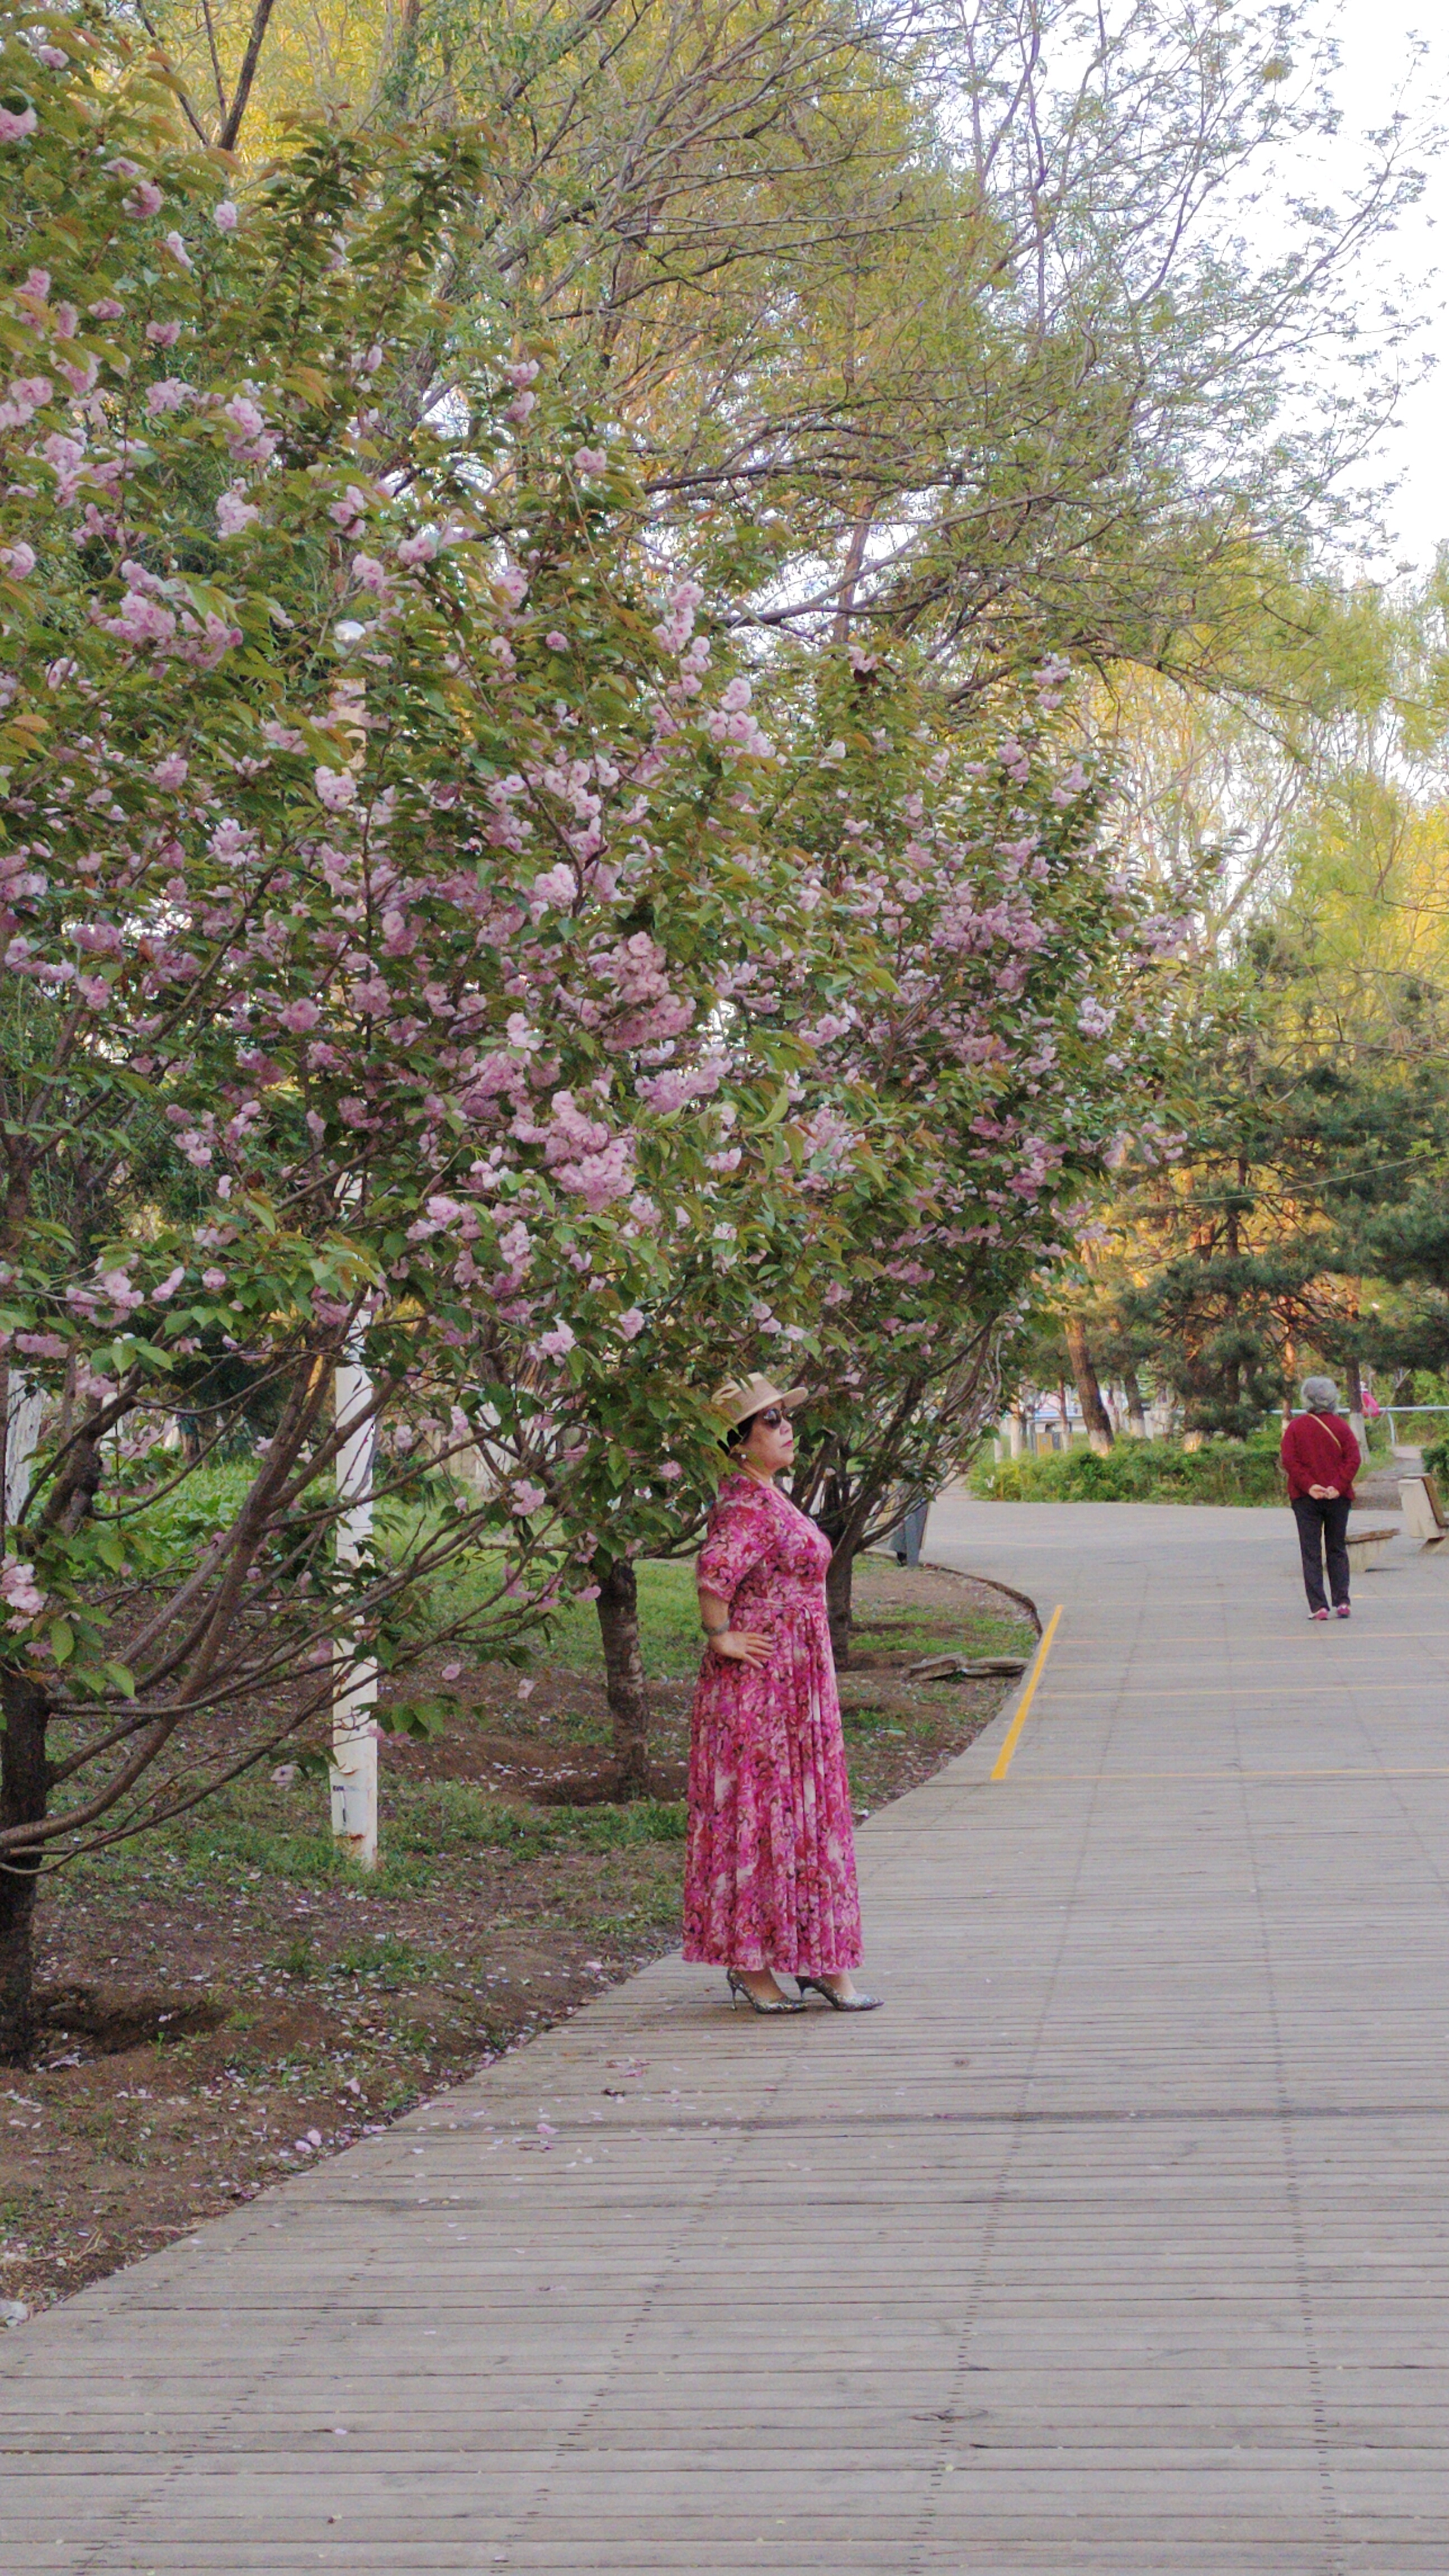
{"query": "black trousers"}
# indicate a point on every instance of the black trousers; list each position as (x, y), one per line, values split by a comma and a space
(1323, 1530)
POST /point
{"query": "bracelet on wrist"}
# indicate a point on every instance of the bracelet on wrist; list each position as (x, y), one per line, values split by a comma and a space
(721, 1631)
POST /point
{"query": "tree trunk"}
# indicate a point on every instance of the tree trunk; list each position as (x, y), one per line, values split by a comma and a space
(261, 19)
(838, 1586)
(1136, 1414)
(618, 1608)
(1094, 1411)
(24, 1788)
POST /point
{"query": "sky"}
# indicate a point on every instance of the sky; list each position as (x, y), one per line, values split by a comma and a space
(1374, 39)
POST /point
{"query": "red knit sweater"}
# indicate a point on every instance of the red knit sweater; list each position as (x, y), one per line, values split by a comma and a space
(1319, 1449)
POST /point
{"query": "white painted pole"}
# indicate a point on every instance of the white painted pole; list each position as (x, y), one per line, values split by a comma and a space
(24, 1412)
(354, 1736)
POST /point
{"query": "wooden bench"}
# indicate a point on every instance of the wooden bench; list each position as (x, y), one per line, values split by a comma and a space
(1365, 1547)
(1423, 1510)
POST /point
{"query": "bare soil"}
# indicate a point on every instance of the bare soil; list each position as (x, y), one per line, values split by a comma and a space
(227, 2002)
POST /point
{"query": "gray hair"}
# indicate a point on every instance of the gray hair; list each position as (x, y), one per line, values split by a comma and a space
(1320, 1395)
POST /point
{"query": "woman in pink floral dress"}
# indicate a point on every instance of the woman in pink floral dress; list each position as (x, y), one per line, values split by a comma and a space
(770, 1865)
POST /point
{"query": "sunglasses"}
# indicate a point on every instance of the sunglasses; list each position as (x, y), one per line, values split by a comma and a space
(773, 1417)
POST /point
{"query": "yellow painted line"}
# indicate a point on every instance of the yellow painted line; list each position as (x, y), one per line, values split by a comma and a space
(1003, 1759)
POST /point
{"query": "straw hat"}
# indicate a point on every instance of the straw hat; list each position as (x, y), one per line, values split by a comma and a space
(739, 1397)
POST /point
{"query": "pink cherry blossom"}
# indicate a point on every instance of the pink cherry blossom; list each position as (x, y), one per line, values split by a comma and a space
(19, 1590)
(225, 216)
(234, 513)
(144, 200)
(557, 885)
(171, 394)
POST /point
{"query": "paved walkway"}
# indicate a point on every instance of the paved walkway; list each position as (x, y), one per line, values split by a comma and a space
(1119, 2242)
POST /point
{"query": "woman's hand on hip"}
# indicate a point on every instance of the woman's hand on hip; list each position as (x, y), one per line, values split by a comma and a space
(741, 1645)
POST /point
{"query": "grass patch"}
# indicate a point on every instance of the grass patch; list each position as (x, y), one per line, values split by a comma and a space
(668, 1623)
(381, 1955)
(894, 1632)
(430, 1831)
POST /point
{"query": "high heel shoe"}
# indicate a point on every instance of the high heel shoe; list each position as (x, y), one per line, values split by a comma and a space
(837, 2003)
(737, 1986)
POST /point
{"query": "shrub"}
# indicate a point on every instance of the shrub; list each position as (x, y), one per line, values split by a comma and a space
(1139, 1471)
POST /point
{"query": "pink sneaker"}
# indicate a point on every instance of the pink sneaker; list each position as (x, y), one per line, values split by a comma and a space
(1318, 1614)
(1343, 1610)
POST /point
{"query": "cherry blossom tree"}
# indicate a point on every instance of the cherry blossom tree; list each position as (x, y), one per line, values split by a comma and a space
(952, 997)
(995, 1005)
(429, 953)
(375, 842)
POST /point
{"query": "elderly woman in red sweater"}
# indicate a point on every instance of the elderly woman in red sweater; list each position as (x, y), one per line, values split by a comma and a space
(1321, 1460)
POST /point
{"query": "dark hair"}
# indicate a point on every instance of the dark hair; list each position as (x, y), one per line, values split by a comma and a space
(739, 1432)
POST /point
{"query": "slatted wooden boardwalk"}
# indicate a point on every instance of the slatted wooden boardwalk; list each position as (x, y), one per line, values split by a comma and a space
(1119, 2242)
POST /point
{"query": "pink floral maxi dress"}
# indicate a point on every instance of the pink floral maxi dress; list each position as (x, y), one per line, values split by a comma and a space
(769, 1878)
